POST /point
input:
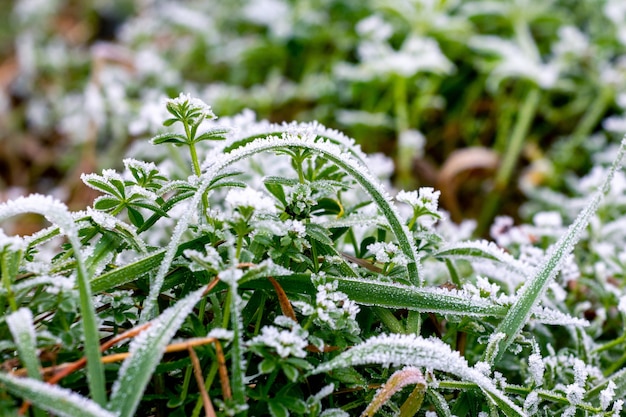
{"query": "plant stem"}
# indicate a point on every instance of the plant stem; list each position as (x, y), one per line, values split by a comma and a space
(503, 176)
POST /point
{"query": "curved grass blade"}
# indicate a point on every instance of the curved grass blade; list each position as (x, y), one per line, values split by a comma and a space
(412, 350)
(57, 213)
(60, 401)
(146, 351)
(530, 294)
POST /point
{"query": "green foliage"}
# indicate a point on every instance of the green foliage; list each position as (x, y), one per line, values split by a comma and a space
(288, 254)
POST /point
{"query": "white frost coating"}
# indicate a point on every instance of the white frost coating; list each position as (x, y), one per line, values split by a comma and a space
(412, 350)
(12, 243)
(21, 326)
(607, 395)
(537, 368)
(221, 333)
(52, 209)
(324, 392)
(56, 283)
(531, 403)
(60, 401)
(555, 317)
(145, 352)
(285, 342)
(483, 250)
(252, 198)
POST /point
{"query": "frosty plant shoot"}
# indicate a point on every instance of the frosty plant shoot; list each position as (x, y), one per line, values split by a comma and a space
(280, 262)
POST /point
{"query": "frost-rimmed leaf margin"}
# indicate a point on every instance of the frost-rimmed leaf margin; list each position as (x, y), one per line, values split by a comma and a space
(529, 295)
(300, 138)
(413, 350)
(20, 324)
(145, 352)
(60, 401)
(425, 299)
(57, 213)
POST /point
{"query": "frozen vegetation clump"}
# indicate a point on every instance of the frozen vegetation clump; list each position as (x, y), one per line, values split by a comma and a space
(273, 260)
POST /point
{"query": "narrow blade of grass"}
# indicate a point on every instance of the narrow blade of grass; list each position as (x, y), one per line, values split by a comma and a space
(57, 213)
(60, 401)
(530, 294)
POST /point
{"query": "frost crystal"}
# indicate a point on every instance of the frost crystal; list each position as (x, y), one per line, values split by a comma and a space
(607, 395)
(231, 276)
(621, 306)
(574, 393)
(220, 333)
(426, 198)
(617, 408)
(335, 310)
(11, 243)
(193, 104)
(286, 342)
(250, 198)
(531, 403)
(200, 261)
(387, 252)
(537, 368)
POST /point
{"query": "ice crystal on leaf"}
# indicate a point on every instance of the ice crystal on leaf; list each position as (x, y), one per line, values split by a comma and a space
(537, 368)
(186, 104)
(286, 339)
(250, 198)
(402, 349)
(60, 401)
(386, 252)
(607, 395)
(334, 309)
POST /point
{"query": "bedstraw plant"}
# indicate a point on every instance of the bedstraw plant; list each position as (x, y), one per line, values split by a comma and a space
(272, 272)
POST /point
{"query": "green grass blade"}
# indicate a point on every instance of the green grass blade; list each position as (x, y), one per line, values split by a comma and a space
(57, 213)
(530, 294)
(425, 300)
(137, 269)
(412, 350)
(292, 139)
(21, 326)
(146, 351)
(59, 401)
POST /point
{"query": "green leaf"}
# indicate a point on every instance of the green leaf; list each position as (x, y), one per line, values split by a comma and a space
(267, 365)
(175, 138)
(96, 182)
(319, 233)
(135, 217)
(146, 351)
(277, 191)
(217, 133)
(60, 401)
(106, 203)
(133, 271)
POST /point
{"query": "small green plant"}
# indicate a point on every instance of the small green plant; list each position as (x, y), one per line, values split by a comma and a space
(297, 285)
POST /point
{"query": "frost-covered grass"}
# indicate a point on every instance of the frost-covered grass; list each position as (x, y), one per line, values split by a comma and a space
(273, 272)
(235, 266)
